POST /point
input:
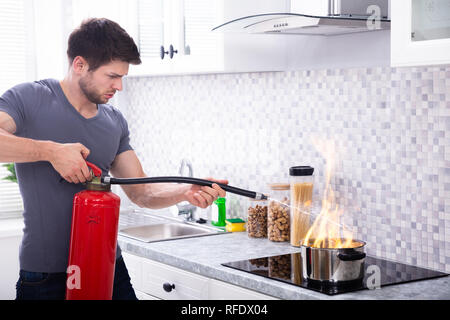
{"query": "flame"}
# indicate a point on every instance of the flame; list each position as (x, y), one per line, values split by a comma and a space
(327, 231)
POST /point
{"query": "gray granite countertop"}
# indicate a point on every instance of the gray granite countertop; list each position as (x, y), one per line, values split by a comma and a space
(204, 255)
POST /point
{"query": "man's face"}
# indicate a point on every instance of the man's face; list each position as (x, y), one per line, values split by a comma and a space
(100, 85)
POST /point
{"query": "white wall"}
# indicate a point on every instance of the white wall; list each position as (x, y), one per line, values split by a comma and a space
(365, 49)
(389, 124)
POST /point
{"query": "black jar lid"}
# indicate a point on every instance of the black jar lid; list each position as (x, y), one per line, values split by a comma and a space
(301, 171)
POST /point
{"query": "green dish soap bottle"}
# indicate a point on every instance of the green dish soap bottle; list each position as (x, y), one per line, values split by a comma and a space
(218, 212)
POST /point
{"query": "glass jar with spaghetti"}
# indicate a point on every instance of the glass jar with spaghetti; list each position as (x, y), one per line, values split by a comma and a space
(278, 216)
(301, 185)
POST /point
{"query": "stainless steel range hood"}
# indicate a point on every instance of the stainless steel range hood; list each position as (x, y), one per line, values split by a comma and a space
(341, 17)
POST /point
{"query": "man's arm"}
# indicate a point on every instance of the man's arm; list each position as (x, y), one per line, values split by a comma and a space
(67, 159)
(160, 195)
(16, 149)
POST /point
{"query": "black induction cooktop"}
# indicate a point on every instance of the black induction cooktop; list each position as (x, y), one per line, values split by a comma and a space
(378, 273)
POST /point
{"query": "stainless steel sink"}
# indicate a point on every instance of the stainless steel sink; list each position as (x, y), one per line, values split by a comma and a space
(167, 231)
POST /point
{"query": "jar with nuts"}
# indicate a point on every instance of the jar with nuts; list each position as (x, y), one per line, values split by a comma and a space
(278, 215)
(257, 219)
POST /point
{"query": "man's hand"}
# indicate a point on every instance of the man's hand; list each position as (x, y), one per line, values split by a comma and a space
(68, 160)
(203, 196)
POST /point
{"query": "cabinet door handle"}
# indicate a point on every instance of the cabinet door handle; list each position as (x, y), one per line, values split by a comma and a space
(168, 287)
(172, 51)
(162, 52)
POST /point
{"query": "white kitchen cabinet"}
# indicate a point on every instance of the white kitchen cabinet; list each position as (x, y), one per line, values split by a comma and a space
(148, 278)
(154, 25)
(186, 26)
(186, 285)
(420, 32)
(10, 238)
(134, 267)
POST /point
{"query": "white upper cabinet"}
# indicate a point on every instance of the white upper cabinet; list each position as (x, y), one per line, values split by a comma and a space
(154, 25)
(420, 32)
(183, 29)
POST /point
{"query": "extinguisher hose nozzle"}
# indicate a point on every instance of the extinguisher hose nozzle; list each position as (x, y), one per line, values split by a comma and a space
(189, 180)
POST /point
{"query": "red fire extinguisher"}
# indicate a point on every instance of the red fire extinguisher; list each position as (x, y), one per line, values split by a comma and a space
(92, 256)
(93, 241)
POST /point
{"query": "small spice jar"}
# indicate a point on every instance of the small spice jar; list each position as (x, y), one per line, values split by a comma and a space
(257, 219)
(301, 181)
(278, 215)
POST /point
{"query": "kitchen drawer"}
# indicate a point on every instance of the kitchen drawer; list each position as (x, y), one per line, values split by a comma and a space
(219, 290)
(148, 277)
(187, 285)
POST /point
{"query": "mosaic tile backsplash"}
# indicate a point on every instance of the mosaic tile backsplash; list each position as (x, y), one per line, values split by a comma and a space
(389, 129)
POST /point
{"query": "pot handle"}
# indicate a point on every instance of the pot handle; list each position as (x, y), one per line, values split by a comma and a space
(351, 256)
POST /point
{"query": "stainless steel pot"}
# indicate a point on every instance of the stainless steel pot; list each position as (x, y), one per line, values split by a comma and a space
(333, 265)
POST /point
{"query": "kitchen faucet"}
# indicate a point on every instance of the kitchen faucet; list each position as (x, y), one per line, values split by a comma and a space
(184, 207)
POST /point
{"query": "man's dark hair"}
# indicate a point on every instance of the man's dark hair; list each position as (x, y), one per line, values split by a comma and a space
(100, 41)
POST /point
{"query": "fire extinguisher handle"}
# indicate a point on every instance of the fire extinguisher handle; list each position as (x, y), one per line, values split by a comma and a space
(95, 170)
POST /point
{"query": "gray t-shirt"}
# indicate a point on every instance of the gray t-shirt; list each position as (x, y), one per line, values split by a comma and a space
(41, 111)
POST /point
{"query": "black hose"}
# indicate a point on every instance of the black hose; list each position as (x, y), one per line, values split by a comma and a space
(189, 180)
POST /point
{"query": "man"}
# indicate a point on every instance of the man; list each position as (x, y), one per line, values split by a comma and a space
(49, 128)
